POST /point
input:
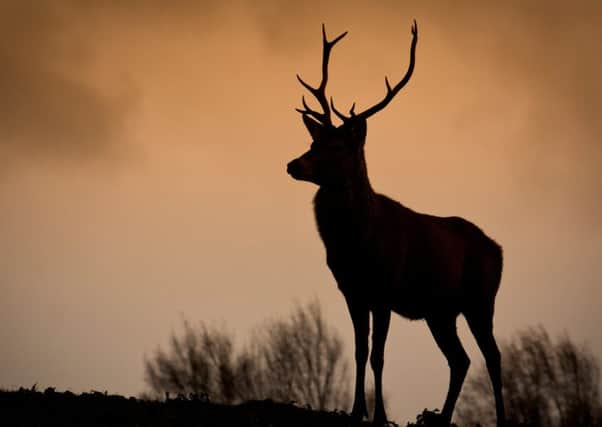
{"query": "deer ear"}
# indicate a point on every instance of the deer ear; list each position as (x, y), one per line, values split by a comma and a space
(315, 128)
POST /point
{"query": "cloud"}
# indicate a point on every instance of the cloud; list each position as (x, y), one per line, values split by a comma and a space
(52, 104)
(49, 105)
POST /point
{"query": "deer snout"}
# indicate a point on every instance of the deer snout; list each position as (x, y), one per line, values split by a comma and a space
(302, 169)
(294, 169)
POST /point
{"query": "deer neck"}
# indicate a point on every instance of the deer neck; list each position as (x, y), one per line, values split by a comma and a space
(345, 211)
(353, 196)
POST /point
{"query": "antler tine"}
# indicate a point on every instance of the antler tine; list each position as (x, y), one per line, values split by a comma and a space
(392, 91)
(340, 115)
(320, 91)
(309, 111)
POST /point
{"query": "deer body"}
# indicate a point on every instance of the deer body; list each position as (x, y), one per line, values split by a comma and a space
(388, 258)
(420, 265)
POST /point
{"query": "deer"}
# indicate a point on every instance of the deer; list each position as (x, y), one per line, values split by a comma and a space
(386, 257)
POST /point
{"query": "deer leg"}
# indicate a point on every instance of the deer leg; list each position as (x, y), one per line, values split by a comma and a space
(361, 328)
(380, 328)
(482, 329)
(445, 334)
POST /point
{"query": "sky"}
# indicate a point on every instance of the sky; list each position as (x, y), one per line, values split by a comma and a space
(143, 147)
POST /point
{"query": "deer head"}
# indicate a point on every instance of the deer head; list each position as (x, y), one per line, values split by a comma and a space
(337, 152)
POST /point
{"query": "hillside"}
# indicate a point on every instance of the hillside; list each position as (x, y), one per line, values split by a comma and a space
(29, 407)
(32, 408)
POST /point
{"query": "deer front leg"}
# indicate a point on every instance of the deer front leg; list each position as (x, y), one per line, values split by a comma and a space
(361, 328)
(380, 324)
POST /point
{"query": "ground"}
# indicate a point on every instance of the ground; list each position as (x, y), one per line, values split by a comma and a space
(29, 407)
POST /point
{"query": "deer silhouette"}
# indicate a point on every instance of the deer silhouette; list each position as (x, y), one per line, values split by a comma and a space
(386, 257)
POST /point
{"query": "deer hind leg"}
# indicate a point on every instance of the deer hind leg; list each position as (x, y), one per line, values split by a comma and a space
(445, 334)
(360, 316)
(481, 326)
(380, 325)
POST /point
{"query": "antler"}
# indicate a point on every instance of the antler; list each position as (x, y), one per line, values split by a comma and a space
(391, 91)
(320, 91)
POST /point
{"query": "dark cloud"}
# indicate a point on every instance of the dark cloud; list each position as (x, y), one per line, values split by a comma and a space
(52, 104)
(48, 103)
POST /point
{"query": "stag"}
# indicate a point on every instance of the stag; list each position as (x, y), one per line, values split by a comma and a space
(387, 257)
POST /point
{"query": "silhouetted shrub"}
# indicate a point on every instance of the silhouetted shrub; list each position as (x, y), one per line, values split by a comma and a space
(298, 359)
(546, 383)
(301, 359)
(200, 363)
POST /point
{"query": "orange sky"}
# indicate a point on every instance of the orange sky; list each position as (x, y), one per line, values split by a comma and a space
(142, 170)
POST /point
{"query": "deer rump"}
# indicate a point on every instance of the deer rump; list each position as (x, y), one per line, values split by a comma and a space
(419, 265)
